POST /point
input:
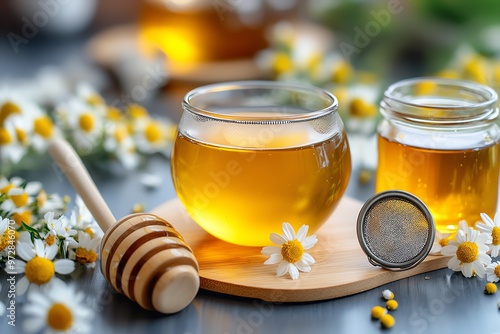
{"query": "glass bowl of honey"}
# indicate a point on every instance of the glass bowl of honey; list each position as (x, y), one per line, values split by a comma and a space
(439, 141)
(251, 155)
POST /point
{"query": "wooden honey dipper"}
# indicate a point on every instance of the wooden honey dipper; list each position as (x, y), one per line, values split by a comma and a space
(142, 255)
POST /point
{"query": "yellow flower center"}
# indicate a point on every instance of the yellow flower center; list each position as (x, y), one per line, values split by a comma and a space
(21, 136)
(444, 242)
(360, 108)
(497, 271)
(59, 317)
(86, 122)
(136, 111)
(292, 251)
(475, 69)
(95, 100)
(314, 62)
(84, 255)
(4, 240)
(20, 200)
(44, 127)
(490, 288)
(342, 73)
(5, 137)
(121, 133)
(89, 231)
(114, 114)
(425, 87)
(282, 63)
(152, 132)
(495, 233)
(467, 252)
(7, 109)
(20, 217)
(6, 189)
(41, 198)
(39, 270)
(50, 240)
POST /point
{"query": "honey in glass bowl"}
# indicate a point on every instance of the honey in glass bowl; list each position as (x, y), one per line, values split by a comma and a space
(439, 141)
(251, 155)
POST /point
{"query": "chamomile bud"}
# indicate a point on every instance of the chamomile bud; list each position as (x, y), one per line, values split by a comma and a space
(391, 304)
(378, 312)
(387, 294)
(387, 321)
(490, 288)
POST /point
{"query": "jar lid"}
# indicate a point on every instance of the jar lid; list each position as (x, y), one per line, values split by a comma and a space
(395, 230)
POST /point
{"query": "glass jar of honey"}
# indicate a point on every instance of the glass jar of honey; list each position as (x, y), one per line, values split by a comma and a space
(439, 141)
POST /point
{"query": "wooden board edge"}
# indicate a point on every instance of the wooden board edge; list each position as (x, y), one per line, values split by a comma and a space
(318, 294)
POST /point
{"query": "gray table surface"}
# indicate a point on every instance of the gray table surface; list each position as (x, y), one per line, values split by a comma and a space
(436, 302)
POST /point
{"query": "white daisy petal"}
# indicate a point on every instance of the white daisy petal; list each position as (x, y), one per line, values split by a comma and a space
(282, 269)
(277, 239)
(495, 251)
(274, 258)
(467, 269)
(487, 219)
(64, 266)
(51, 252)
(478, 268)
(25, 251)
(301, 235)
(22, 286)
(33, 325)
(39, 248)
(483, 238)
(484, 258)
(454, 264)
(293, 271)
(309, 242)
(302, 266)
(270, 250)
(307, 258)
(449, 250)
(33, 187)
(20, 266)
(288, 232)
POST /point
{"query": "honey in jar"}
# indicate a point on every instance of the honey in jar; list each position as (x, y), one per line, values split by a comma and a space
(251, 155)
(439, 141)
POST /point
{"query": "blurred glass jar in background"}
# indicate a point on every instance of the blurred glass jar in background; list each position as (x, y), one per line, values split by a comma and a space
(191, 32)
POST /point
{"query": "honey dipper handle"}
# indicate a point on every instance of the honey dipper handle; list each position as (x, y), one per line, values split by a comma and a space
(71, 165)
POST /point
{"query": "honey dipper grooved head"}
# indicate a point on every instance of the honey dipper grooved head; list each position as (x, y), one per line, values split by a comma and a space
(145, 258)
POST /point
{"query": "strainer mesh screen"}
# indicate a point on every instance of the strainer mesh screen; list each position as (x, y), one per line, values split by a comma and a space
(395, 230)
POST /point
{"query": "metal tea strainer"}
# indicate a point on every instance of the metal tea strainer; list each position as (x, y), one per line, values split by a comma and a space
(395, 230)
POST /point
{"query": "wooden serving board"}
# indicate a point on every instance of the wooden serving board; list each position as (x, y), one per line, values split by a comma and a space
(341, 267)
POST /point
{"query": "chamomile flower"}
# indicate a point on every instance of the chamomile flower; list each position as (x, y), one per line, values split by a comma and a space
(290, 254)
(83, 123)
(491, 227)
(52, 202)
(493, 272)
(60, 309)
(154, 136)
(469, 252)
(21, 196)
(85, 250)
(441, 240)
(119, 142)
(82, 219)
(38, 266)
(44, 130)
(5, 237)
(14, 142)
